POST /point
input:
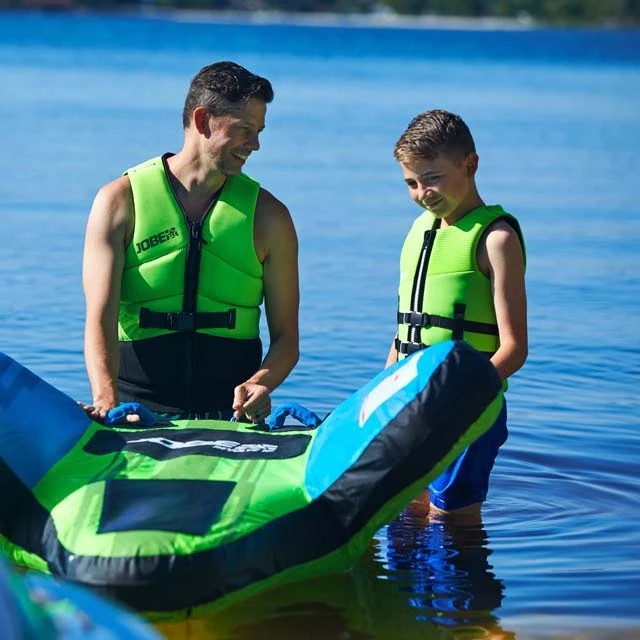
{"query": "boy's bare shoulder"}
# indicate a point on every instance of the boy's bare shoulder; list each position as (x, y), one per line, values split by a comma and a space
(500, 241)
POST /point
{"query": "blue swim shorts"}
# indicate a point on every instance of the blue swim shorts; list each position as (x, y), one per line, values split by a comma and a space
(466, 480)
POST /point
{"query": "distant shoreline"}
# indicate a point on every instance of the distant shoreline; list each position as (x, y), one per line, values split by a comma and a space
(357, 20)
(380, 19)
(273, 17)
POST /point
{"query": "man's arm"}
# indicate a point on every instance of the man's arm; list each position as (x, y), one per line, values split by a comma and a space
(277, 248)
(502, 257)
(103, 262)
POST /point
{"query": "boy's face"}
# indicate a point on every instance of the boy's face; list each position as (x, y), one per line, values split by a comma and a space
(443, 186)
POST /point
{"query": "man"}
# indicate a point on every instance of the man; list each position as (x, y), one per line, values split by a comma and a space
(462, 272)
(179, 254)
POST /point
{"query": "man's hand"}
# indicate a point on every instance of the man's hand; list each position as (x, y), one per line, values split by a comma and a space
(252, 400)
(123, 413)
(98, 410)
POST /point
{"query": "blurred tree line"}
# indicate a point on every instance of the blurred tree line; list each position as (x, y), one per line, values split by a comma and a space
(557, 11)
(625, 12)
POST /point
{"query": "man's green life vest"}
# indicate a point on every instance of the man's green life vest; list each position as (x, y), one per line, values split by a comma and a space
(182, 276)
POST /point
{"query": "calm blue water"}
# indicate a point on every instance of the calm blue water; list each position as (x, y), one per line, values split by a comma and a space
(556, 117)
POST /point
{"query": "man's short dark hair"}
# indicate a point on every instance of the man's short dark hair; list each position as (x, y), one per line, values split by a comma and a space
(221, 86)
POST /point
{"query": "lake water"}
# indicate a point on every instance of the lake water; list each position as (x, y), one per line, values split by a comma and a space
(556, 118)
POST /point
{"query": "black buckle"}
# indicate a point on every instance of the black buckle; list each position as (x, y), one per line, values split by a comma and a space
(181, 321)
(187, 320)
(414, 318)
(231, 318)
(407, 348)
(419, 319)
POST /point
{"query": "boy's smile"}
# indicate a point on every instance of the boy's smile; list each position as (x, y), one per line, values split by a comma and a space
(445, 187)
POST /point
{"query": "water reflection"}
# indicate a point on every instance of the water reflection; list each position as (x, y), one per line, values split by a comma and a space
(443, 568)
(420, 579)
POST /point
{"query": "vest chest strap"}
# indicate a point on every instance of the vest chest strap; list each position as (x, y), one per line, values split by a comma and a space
(186, 321)
(407, 348)
(456, 324)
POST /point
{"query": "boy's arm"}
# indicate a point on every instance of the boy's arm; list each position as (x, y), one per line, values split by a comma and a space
(501, 256)
(392, 356)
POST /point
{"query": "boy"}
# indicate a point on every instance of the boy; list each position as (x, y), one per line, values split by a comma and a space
(461, 278)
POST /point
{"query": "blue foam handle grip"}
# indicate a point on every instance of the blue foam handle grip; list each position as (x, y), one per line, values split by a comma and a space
(118, 415)
(293, 409)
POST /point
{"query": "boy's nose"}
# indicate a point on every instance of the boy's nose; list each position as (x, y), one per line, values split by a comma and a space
(423, 192)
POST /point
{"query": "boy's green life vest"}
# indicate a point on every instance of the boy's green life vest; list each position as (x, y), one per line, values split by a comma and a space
(442, 294)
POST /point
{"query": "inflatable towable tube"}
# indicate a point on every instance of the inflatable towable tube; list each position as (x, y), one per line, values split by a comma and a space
(38, 607)
(186, 517)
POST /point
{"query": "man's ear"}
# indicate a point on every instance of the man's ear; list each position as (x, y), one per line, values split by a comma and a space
(200, 120)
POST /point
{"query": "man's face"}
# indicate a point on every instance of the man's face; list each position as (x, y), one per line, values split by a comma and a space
(234, 137)
(441, 185)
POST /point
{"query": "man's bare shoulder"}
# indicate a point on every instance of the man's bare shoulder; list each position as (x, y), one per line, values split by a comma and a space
(114, 202)
(274, 228)
(270, 206)
(272, 214)
(115, 193)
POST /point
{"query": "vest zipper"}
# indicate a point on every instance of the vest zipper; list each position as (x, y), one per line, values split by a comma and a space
(192, 267)
(190, 298)
(419, 282)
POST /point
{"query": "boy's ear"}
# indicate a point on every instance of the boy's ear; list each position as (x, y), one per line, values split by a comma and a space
(471, 163)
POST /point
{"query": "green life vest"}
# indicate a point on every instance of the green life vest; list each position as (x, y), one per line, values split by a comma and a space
(181, 276)
(442, 294)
